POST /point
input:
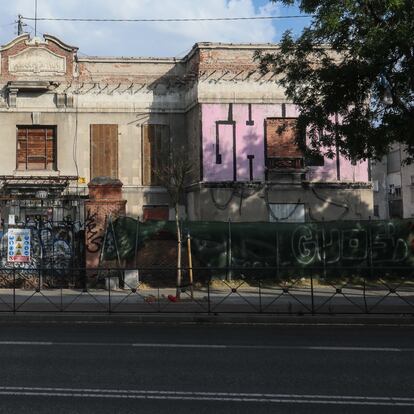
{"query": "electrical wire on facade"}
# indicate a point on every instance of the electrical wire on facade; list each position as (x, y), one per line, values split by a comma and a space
(333, 203)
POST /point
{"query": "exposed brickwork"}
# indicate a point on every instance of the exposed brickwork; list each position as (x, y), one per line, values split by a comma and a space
(280, 135)
(227, 59)
(105, 199)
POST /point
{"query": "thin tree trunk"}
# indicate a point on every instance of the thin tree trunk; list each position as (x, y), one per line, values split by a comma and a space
(177, 223)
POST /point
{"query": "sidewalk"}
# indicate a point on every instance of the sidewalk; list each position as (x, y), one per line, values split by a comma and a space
(245, 300)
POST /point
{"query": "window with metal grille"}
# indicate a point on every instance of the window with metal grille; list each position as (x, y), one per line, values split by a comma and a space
(155, 152)
(36, 148)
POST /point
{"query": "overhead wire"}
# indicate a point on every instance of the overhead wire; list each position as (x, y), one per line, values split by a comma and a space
(143, 20)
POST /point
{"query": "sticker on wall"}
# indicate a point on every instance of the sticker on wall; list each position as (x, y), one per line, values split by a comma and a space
(18, 249)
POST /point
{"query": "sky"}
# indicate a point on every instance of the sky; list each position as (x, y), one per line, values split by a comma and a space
(149, 39)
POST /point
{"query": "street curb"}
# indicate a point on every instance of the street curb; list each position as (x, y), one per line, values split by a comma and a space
(218, 319)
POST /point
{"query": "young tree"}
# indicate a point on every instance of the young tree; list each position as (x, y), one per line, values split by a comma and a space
(173, 176)
(355, 63)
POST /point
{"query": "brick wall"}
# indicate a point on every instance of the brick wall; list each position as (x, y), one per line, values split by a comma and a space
(105, 199)
(280, 135)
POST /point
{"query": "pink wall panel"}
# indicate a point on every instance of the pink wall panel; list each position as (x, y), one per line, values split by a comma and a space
(238, 130)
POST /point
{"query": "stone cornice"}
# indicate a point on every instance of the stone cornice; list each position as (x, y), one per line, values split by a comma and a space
(61, 44)
(15, 41)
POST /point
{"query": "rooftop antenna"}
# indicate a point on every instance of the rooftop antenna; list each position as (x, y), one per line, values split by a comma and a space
(35, 18)
(20, 25)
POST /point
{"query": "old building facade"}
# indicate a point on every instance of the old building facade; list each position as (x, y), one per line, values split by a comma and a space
(393, 185)
(67, 119)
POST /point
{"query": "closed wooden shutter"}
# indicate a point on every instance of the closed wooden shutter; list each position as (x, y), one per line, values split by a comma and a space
(155, 152)
(104, 150)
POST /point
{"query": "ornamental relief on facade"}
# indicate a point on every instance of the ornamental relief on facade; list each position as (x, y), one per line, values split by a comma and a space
(37, 61)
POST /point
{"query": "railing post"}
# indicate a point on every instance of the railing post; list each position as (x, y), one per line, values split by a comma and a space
(365, 296)
(277, 255)
(229, 252)
(208, 294)
(109, 290)
(371, 263)
(14, 289)
(260, 296)
(312, 295)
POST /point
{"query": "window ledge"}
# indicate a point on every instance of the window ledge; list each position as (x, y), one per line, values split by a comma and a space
(38, 173)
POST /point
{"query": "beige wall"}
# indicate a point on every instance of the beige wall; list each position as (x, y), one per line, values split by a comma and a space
(250, 203)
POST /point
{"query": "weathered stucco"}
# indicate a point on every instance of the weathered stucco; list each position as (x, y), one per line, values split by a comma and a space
(215, 87)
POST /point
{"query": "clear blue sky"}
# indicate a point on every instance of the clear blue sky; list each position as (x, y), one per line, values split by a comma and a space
(149, 39)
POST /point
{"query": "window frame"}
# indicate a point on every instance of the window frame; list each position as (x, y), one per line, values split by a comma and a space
(55, 147)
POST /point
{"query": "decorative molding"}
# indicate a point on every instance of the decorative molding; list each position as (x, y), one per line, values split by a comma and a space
(15, 41)
(62, 45)
(36, 118)
(36, 60)
(12, 98)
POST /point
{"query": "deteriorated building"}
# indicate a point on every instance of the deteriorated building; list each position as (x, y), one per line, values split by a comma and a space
(67, 119)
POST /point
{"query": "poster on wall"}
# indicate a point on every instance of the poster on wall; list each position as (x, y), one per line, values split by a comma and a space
(18, 250)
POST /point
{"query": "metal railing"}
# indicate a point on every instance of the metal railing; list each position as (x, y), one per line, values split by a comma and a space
(206, 290)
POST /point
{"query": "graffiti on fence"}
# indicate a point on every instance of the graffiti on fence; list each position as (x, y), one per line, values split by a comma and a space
(298, 245)
(52, 247)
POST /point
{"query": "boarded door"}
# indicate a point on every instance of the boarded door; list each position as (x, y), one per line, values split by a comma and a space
(104, 150)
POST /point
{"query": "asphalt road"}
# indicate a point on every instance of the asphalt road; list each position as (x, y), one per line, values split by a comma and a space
(110, 368)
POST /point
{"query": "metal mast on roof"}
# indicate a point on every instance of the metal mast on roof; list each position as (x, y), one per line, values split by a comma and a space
(35, 18)
(19, 24)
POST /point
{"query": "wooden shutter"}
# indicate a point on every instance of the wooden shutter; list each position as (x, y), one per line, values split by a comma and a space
(146, 155)
(155, 152)
(104, 150)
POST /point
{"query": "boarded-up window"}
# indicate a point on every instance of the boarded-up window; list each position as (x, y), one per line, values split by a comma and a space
(36, 148)
(394, 162)
(314, 160)
(104, 150)
(155, 152)
(282, 149)
(395, 208)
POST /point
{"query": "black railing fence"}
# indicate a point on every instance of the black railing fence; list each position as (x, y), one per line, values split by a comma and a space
(207, 290)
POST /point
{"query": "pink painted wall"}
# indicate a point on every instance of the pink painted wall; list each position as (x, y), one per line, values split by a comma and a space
(245, 126)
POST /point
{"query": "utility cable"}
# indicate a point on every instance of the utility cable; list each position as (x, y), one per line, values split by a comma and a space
(190, 19)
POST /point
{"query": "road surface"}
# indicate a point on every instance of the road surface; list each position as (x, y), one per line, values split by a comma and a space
(121, 368)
